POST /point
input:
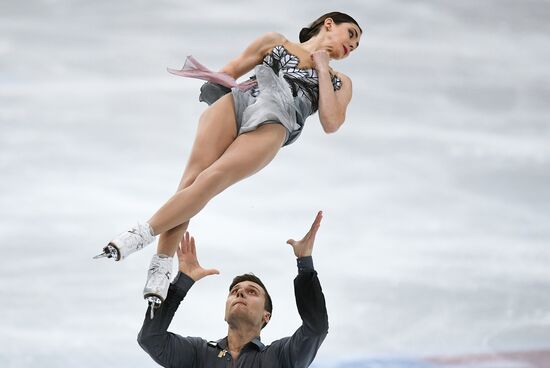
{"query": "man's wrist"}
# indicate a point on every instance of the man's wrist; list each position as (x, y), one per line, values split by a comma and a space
(305, 264)
(183, 281)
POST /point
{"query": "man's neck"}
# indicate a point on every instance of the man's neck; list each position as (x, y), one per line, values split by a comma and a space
(238, 337)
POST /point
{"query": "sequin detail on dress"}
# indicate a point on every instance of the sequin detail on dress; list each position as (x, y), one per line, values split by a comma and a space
(280, 60)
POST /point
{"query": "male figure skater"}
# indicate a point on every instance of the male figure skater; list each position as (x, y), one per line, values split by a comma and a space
(247, 310)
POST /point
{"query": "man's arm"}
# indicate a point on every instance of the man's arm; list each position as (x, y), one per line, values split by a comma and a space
(310, 299)
(166, 348)
(304, 343)
(300, 349)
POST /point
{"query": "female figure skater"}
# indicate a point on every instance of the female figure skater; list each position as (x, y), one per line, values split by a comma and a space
(242, 131)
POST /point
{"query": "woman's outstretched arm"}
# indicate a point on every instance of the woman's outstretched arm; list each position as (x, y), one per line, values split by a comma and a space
(253, 54)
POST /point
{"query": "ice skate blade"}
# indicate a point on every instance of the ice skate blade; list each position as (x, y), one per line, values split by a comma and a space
(102, 255)
(154, 302)
(109, 252)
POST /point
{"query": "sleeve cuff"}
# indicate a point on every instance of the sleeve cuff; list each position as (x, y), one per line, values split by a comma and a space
(305, 264)
(183, 282)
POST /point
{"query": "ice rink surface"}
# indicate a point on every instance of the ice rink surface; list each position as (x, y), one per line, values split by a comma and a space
(435, 246)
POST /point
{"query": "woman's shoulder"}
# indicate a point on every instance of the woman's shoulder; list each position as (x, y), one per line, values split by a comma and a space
(268, 41)
(274, 38)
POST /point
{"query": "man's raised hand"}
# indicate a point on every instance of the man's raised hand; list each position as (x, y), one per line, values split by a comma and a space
(188, 262)
(304, 247)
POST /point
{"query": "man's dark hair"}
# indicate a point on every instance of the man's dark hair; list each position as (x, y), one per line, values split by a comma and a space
(307, 32)
(268, 306)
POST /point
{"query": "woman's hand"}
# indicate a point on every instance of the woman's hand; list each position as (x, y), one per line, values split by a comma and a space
(320, 60)
(304, 247)
(188, 262)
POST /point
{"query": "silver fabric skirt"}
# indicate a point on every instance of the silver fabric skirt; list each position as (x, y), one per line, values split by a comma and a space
(274, 104)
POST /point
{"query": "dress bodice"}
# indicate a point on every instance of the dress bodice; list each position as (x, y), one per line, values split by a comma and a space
(304, 82)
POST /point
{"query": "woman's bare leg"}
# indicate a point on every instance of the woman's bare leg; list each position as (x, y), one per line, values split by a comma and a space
(247, 154)
(217, 129)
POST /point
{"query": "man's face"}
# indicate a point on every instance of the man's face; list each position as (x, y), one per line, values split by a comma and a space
(246, 304)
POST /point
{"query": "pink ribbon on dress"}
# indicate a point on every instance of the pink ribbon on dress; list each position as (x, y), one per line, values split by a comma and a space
(193, 69)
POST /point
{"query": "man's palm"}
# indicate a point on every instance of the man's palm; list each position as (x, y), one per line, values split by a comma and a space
(304, 247)
(188, 262)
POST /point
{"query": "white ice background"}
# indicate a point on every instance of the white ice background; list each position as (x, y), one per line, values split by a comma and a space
(436, 191)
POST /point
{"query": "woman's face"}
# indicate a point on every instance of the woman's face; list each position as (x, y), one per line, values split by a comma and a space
(342, 38)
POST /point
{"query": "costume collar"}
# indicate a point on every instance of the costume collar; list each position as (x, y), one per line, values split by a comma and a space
(222, 343)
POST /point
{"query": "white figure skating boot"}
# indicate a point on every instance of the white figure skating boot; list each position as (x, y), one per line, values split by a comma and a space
(158, 281)
(128, 242)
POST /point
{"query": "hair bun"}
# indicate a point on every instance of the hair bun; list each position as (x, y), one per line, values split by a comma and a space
(305, 34)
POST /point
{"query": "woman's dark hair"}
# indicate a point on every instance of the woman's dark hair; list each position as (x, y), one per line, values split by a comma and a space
(315, 27)
(268, 305)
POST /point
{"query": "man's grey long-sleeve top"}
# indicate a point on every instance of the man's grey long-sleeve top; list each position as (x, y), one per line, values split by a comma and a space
(296, 351)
